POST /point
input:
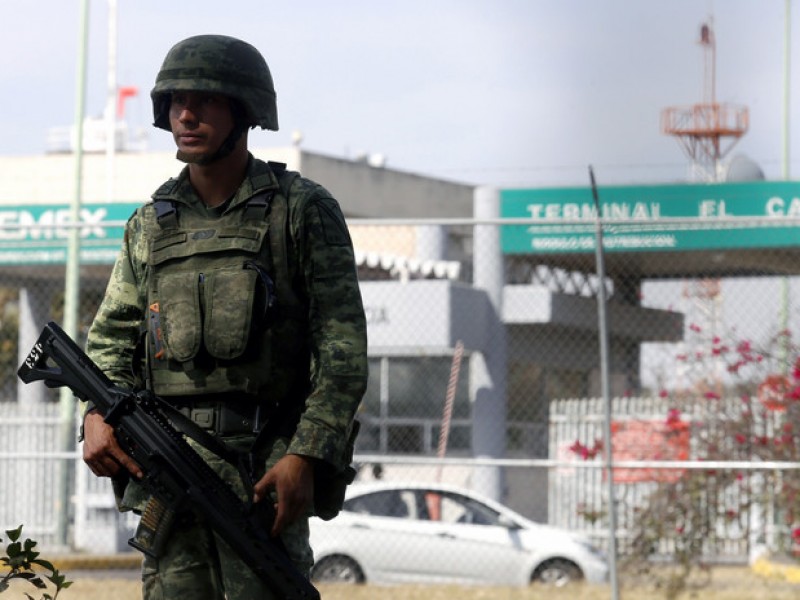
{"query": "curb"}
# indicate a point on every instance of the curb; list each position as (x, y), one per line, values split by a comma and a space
(96, 562)
(777, 569)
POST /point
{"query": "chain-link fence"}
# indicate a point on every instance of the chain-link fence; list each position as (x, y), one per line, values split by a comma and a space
(486, 374)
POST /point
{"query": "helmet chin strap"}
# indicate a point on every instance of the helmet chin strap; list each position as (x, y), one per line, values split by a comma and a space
(225, 148)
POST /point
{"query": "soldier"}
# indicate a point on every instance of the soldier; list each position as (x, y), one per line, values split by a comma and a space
(235, 299)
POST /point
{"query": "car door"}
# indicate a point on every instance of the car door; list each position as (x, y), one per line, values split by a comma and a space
(466, 540)
(384, 526)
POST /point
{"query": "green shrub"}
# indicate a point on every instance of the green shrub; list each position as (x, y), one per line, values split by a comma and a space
(21, 558)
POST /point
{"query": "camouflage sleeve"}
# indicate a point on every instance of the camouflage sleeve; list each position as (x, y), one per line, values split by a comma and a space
(114, 332)
(338, 332)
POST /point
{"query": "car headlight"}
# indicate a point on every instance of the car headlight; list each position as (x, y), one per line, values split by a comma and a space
(591, 548)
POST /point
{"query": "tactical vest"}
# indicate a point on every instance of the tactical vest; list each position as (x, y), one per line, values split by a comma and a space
(220, 295)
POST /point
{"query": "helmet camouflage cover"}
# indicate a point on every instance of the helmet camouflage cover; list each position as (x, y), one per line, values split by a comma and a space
(222, 65)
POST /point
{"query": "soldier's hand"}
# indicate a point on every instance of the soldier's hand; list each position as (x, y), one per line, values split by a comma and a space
(101, 450)
(292, 478)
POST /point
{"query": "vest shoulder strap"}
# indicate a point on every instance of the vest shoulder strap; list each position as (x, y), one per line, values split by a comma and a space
(279, 238)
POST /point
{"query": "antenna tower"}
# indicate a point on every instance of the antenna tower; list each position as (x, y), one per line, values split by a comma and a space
(706, 130)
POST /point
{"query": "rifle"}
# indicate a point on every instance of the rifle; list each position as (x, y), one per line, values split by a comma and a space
(174, 474)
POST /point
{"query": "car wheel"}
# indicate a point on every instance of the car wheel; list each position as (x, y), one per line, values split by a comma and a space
(337, 569)
(556, 572)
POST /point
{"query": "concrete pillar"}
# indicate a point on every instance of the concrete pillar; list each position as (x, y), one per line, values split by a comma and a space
(431, 242)
(32, 318)
(488, 367)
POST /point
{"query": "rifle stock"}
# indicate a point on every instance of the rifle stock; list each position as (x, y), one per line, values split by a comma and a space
(174, 474)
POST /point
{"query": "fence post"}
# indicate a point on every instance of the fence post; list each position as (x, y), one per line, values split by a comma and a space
(488, 368)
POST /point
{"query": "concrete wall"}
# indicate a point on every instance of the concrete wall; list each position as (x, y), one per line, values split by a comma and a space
(367, 191)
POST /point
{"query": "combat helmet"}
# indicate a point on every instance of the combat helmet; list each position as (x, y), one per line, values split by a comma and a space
(219, 64)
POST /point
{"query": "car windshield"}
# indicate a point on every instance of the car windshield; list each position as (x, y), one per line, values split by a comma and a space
(430, 505)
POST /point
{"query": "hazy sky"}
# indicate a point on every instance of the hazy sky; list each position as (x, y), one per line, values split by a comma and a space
(514, 93)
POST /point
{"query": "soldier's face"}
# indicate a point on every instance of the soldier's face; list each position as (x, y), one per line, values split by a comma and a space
(200, 122)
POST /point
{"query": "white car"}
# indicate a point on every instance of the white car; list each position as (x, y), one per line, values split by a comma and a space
(430, 533)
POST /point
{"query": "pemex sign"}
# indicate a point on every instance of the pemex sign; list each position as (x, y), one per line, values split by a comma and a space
(653, 218)
(38, 234)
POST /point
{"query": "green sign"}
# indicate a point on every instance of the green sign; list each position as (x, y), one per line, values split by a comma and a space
(653, 218)
(36, 235)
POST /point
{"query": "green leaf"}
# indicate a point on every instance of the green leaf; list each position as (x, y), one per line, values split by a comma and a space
(3, 586)
(34, 580)
(13, 534)
(18, 562)
(14, 550)
(44, 563)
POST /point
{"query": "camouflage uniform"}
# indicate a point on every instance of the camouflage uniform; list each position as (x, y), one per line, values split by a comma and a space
(197, 564)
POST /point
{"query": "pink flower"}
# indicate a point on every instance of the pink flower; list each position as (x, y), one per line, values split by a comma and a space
(663, 394)
(584, 451)
(712, 395)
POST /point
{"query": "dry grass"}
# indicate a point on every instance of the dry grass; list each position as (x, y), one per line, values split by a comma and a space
(726, 584)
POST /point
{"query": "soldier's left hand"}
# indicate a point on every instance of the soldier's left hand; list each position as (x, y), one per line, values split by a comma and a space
(292, 478)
